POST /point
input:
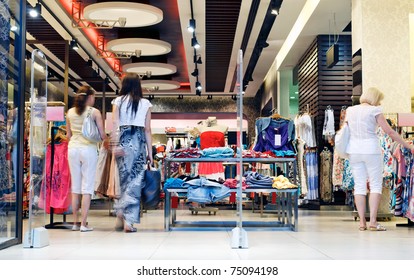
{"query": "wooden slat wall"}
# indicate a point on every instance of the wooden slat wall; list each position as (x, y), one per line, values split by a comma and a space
(320, 86)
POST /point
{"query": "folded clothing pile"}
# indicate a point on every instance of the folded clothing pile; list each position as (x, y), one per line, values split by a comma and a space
(257, 180)
(281, 183)
(219, 152)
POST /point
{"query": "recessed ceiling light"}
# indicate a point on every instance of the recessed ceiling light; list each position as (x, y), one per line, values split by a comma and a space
(292, 97)
(135, 14)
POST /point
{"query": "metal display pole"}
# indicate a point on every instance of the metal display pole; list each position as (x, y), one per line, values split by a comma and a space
(37, 237)
(239, 239)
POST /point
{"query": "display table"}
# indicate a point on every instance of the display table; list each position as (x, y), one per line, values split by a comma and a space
(286, 214)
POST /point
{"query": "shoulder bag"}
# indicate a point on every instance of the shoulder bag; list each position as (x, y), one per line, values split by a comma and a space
(89, 128)
(342, 140)
(151, 190)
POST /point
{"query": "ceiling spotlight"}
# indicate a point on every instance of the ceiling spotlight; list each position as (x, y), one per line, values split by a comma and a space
(275, 8)
(198, 85)
(13, 28)
(198, 92)
(209, 97)
(194, 43)
(89, 63)
(275, 11)
(234, 97)
(137, 53)
(122, 21)
(35, 11)
(117, 92)
(197, 59)
(151, 97)
(195, 73)
(74, 45)
(180, 96)
(191, 25)
(148, 74)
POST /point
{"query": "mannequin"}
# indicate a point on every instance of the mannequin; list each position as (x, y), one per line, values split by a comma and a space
(211, 125)
(212, 135)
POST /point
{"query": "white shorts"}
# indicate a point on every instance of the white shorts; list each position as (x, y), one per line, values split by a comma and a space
(82, 164)
(367, 168)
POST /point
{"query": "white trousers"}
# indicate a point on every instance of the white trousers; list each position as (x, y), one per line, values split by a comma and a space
(367, 168)
(82, 164)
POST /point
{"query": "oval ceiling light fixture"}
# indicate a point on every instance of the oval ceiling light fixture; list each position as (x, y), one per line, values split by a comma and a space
(160, 84)
(148, 47)
(156, 68)
(136, 14)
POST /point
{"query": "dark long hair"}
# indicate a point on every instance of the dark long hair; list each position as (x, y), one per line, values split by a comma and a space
(80, 98)
(131, 86)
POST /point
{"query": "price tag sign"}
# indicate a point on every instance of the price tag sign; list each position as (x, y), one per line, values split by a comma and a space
(278, 140)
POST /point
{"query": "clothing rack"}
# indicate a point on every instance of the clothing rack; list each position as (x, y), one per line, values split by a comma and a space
(409, 222)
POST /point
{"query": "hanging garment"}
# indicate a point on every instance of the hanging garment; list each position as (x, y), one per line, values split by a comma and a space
(306, 129)
(385, 143)
(329, 124)
(302, 166)
(5, 185)
(338, 162)
(58, 191)
(407, 184)
(274, 135)
(311, 158)
(400, 174)
(326, 171)
(103, 170)
(348, 182)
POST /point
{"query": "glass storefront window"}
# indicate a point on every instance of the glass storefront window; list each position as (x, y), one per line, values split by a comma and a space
(11, 38)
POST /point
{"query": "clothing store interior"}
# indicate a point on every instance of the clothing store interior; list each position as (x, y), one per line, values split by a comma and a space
(245, 98)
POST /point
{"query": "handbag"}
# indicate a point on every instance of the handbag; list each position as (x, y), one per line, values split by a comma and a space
(342, 140)
(89, 128)
(150, 195)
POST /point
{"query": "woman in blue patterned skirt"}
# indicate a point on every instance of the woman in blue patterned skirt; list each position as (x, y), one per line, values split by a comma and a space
(132, 121)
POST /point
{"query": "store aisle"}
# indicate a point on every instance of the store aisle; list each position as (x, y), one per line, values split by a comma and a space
(322, 235)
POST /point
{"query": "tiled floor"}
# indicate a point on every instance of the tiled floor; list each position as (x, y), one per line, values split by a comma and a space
(322, 235)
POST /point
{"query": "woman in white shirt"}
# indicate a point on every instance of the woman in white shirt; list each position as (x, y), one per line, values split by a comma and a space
(82, 154)
(132, 119)
(365, 156)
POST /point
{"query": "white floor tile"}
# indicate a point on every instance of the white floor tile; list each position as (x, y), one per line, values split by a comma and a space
(322, 235)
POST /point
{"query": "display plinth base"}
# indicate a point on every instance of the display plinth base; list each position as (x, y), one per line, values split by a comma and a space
(40, 238)
(239, 239)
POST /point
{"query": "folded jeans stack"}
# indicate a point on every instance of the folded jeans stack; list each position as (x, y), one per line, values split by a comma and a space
(205, 191)
(256, 180)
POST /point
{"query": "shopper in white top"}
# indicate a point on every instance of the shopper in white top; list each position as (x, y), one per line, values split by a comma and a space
(132, 119)
(82, 154)
(365, 155)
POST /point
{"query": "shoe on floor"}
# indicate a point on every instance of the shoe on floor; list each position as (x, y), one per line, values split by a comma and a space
(378, 227)
(85, 229)
(75, 228)
(364, 228)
